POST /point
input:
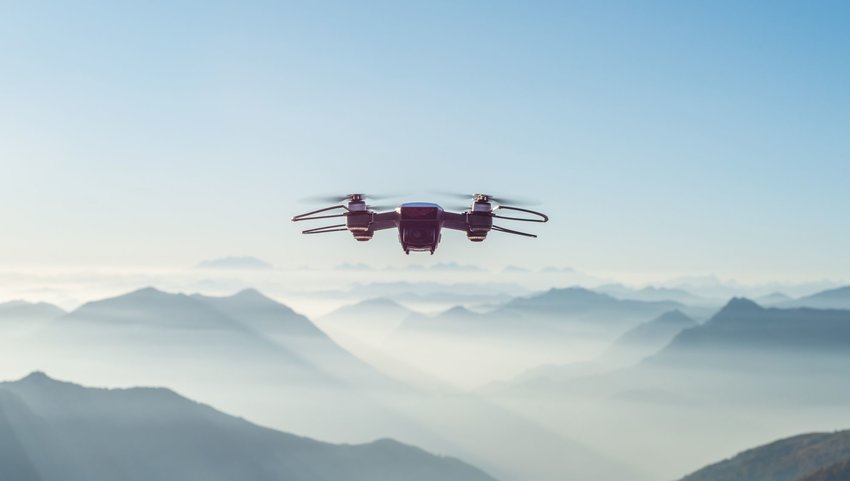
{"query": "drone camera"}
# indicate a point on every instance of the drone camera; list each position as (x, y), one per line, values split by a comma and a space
(420, 237)
(419, 227)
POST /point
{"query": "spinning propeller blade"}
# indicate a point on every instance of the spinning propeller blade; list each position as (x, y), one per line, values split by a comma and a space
(492, 198)
(327, 199)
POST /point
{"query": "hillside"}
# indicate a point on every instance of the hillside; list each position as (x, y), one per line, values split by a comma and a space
(648, 338)
(56, 431)
(838, 298)
(837, 472)
(582, 311)
(807, 457)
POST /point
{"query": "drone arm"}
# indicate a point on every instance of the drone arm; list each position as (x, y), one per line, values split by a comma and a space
(541, 217)
(514, 232)
(455, 221)
(312, 215)
(325, 229)
(384, 220)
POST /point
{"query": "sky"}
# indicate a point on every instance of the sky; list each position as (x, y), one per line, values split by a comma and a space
(663, 138)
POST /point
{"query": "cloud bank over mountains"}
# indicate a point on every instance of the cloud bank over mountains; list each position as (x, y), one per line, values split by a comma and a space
(385, 367)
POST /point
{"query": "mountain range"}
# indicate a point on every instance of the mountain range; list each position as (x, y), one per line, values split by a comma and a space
(635, 344)
(838, 298)
(246, 325)
(57, 431)
(744, 330)
(23, 311)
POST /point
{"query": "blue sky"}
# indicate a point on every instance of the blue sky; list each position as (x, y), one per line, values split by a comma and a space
(662, 137)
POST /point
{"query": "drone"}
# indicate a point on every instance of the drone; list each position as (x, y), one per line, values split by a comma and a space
(419, 224)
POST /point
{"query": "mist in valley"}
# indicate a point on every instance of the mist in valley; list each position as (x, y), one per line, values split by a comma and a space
(568, 382)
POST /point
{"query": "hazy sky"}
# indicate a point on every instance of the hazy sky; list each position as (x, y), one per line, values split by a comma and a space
(680, 137)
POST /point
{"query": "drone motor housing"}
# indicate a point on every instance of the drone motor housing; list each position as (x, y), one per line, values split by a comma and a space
(358, 221)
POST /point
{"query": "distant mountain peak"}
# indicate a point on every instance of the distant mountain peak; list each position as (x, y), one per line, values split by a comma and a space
(739, 304)
(837, 293)
(251, 293)
(144, 293)
(674, 317)
(572, 289)
(36, 377)
(380, 302)
(40, 380)
(20, 309)
(457, 311)
(147, 291)
(574, 292)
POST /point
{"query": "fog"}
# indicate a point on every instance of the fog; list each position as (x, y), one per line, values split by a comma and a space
(567, 383)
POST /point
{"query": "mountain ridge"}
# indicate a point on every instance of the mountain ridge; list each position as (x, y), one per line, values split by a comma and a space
(789, 459)
(69, 432)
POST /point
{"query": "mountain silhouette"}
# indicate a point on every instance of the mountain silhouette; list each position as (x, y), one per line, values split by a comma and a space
(28, 311)
(156, 328)
(580, 311)
(807, 457)
(637, 343)
(648, 338)
(57, 431)
(262, 314)
(751, 330)
(649, 293)
(296, 334)
(375, 318)
(838, 298)
(459, 320)
(150, 307)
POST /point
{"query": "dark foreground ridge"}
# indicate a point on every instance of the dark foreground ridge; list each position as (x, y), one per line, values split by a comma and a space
(807, 457)
(58, 431)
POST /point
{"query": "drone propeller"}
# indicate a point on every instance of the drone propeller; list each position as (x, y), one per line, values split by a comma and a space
(487, 197)
(327, 199)
(380, 207)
